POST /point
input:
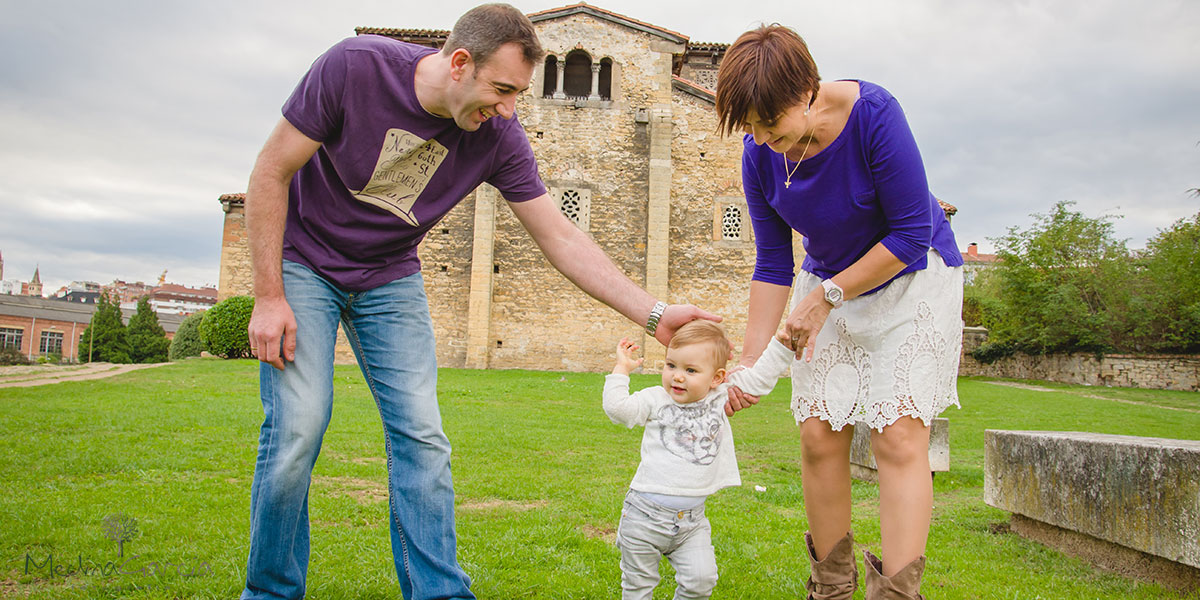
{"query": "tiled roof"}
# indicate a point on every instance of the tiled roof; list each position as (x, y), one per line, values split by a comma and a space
(174, 288)
(609, 15)
(230, 200)
(693, 88)
(438, 34)
(980, 258)
(71, 312)
(707, 47)
(948, 208)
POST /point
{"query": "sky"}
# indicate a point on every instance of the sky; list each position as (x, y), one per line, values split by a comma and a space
(123, 121)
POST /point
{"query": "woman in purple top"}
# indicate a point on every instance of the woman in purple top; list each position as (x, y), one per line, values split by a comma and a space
(876, 313)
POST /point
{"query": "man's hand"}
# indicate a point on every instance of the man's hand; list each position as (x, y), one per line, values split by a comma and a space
(676, 316)
(626, 363)
(271, 320)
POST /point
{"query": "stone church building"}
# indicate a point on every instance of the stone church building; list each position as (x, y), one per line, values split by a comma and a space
(620, 116)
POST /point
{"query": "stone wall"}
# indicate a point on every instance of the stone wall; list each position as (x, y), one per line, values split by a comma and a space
(1161, 371)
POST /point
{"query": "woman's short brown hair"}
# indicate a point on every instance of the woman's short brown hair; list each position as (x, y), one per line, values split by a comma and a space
(766, 70)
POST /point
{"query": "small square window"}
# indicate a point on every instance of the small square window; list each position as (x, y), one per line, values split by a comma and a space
(730, 220)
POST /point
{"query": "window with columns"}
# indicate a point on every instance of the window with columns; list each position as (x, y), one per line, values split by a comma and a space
(550, 79)
(577, 77)
(52, 343)
(11, 337)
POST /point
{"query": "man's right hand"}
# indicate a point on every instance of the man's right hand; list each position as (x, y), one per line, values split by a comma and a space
(272, 320)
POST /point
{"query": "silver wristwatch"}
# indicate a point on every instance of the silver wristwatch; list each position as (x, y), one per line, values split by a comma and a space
(833, 293)
(656, 313)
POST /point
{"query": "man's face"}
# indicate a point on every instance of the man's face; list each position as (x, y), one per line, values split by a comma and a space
(481, 92)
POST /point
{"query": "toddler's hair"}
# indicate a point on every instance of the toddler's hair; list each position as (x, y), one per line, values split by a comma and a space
(702, 331)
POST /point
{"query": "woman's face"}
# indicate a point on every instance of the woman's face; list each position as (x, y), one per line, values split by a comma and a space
(781, 132)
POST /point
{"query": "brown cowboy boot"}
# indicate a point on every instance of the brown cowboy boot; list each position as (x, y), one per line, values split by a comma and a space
(835, 577)
(905, 585)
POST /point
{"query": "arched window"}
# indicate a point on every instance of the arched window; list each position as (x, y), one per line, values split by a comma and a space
(577, 78)
(606, 66)
(550, 77)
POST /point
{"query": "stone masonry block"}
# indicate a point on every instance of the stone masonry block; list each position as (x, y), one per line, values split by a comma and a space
(862, 459)
(1140, 493)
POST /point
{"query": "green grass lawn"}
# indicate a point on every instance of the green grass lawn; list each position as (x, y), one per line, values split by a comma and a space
(539, 472)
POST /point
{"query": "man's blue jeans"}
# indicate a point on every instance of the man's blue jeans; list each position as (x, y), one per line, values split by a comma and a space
(392, 336)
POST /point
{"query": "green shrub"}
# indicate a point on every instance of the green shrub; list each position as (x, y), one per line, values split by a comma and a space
(992, 352)
(12, 356)
(187, 340)
(223, 329)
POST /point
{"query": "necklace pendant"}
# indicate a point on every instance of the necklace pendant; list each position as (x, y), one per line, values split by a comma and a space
(787, 183)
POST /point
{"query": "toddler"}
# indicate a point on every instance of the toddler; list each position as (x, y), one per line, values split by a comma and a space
(687, 454)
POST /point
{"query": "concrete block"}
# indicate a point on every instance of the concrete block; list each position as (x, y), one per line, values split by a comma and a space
(1136, 492)
(862, 459)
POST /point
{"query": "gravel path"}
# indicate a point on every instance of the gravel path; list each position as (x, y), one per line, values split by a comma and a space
(32, 375)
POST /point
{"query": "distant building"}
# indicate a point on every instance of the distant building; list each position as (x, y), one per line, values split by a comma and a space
(83, 292)
(43, 326)
(170, 298)
(34, 287)
(974, 262)
(127, 293)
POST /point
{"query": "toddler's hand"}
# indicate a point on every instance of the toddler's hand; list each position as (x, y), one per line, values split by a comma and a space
(626, 363)
(784, 339)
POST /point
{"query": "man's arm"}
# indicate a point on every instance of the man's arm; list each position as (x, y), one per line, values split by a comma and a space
(284, 153)
(587, 266)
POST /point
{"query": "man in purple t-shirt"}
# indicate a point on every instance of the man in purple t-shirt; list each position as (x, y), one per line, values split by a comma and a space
(378, 142)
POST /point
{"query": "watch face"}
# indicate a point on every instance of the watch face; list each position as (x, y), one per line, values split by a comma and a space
(833, 295)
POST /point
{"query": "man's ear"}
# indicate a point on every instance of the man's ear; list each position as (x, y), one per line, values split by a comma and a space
(460, 63)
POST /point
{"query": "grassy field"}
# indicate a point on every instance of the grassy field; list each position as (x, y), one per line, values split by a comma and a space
(539, 473)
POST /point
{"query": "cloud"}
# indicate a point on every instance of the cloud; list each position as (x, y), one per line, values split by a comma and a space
(128, 118)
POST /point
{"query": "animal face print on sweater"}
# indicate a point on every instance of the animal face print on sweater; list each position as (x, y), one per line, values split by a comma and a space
(692, 431)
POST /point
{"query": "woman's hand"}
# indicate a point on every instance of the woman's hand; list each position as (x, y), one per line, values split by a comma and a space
(805, 322)
(737, 398)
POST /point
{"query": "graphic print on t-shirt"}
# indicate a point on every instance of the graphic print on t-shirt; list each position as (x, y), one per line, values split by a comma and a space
(406, 163)
(692, 431)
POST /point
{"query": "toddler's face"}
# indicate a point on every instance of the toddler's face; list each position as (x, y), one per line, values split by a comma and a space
(689, 374)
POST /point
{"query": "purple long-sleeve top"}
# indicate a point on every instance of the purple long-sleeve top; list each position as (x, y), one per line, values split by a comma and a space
(867, 187)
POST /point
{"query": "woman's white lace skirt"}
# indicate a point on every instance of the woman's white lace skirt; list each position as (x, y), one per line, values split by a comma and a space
(885, 355)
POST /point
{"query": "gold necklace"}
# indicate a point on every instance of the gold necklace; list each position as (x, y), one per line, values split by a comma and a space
(787, 181)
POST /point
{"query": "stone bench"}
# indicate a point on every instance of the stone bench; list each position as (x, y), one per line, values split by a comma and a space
(862, 459)
(1127, 504)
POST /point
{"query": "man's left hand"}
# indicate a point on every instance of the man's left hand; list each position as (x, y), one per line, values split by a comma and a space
(678, 315)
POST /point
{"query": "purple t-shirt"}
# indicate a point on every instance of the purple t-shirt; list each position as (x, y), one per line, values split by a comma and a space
(387, 170)
(867, 187)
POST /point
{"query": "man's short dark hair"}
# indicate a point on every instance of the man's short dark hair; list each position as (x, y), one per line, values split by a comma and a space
(485, 28)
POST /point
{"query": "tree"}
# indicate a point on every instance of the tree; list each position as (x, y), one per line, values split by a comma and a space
(104, 339)
(1062, 286)
(223, 329)
(148, 342)
(1171, 266)
(187, 340)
